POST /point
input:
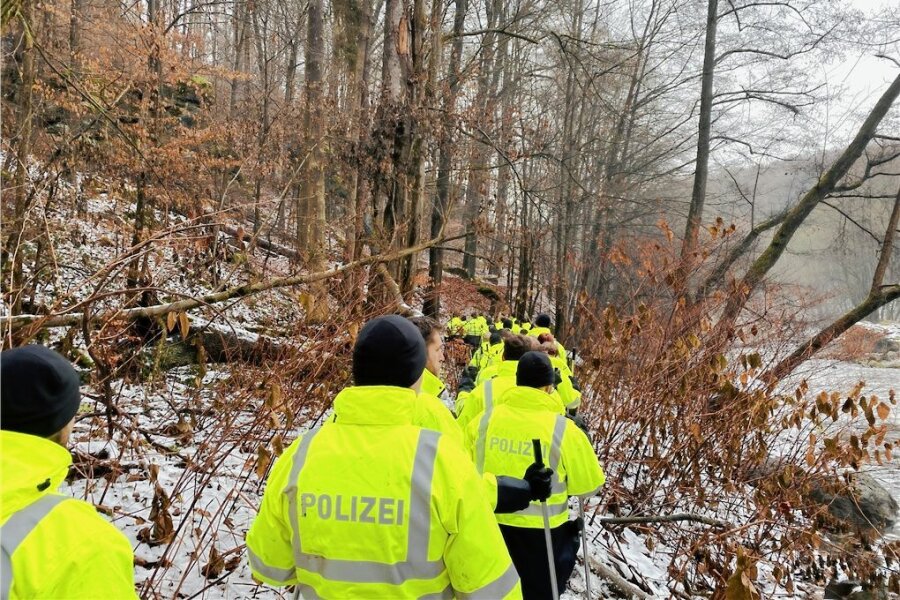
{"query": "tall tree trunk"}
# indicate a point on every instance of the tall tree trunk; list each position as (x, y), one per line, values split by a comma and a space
(314, 176)
(698, 193)
(441, 202)
(290, 70)
(394, 132)
(75, 12)
(24, 118)
(240, 19)
(420, 94)
(476, 190)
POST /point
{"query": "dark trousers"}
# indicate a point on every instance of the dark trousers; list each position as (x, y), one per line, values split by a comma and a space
(473, 340)
(528, 551)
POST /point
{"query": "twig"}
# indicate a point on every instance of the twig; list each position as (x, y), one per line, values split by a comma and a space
(661, 519)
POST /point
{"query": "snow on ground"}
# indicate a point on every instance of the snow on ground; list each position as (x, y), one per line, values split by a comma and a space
(184, 435)
(835, 375)
(205, 464)
(87, 259)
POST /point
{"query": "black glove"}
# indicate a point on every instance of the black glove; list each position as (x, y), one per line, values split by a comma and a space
(467, 380)
(512, 494)
(539, 478)
(575, 385)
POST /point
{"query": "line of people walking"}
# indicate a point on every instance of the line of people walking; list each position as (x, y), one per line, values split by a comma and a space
(394, 496)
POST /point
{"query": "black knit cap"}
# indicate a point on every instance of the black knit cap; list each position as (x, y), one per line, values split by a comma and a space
(389, 350)
(542, 320)
(535, 370)
(39, 389)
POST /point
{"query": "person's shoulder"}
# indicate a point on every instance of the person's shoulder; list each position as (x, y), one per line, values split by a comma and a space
(85, 522)
(574, 434)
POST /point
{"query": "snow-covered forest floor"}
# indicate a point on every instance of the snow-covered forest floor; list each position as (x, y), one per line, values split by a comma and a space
(181, 467)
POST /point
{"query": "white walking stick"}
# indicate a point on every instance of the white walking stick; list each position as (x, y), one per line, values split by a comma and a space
(538, 458)
(584, 550)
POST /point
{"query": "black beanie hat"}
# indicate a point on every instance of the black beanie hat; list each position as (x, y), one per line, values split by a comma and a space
(39, 389)
(535, 370)
(389, 350)
(542, 320)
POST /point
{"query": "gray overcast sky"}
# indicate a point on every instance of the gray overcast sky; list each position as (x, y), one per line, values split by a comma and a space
(863, 77)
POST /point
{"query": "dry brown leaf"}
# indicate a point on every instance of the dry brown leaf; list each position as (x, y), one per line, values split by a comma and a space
(263, 458)
(184, 325)
(215, 566)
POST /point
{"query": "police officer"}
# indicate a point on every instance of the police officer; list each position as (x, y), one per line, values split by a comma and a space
(493, 381)
(54, 546)
(505, 494)
(500, 442)
(541, 329)
(434, 363)
(374, 506)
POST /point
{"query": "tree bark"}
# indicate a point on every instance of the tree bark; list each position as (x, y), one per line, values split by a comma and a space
(887, 246)
(479, 157)
(698, 194)
(313, 189)
(24, 118)
(440, 207)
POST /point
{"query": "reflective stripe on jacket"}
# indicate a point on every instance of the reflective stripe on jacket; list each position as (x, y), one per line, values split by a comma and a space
(54, 546)
(372, 506)
(500, 442)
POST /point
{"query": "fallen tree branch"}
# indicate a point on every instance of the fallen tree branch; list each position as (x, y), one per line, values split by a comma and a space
(623, 585)
(661, 519)
(65, 319)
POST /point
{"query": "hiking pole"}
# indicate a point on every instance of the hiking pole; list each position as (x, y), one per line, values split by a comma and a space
(538, 458)
(584, 550)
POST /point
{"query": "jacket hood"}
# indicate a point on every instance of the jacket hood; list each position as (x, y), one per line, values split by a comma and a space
(29, 467)
(528, 398)
(375, 405)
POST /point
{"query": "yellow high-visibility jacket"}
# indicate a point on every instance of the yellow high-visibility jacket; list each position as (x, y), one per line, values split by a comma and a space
(54, 546)
(431, 413)
(487, 355)
(570, 397)
(455, 326)
(499, 441)
(538, 331)
(489, 392)
(432, 384)
(371, 506)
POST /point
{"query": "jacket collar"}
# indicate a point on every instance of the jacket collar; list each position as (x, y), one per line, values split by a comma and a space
(507, 368)
(432, 384)
(528, 398)
(375, 405)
